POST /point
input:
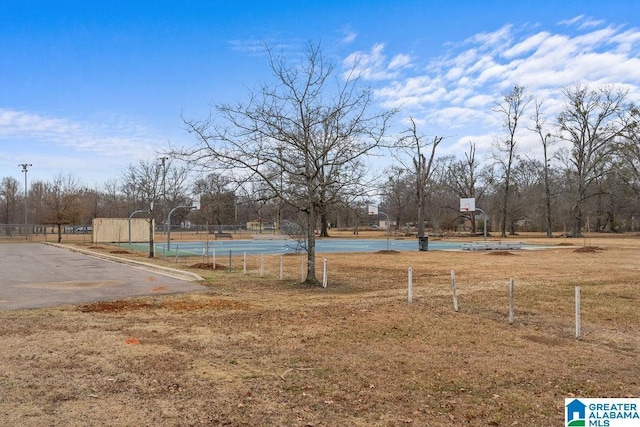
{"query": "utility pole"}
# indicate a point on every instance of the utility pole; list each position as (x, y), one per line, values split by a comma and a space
(25, 169)
(164, 189)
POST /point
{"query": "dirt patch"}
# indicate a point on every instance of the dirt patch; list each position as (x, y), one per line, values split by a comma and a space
(95, 247)
(588, 249)
(551, 341)
(207, 266)
(565, 244)
(120, 252)
(501, 253)
(175, 305)
(388, 252)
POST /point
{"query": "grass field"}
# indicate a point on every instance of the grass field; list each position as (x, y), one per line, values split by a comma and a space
(255, 350)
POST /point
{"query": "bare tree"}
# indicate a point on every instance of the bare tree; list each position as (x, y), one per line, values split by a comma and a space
(629, 152)
(415, 144)
(9, 188)
(142, 183)
(216, 198)
(62, 198)
(591, 122)
(302, 126)
(462, 179)
(512, 108)
(399, 195)
(546, 140)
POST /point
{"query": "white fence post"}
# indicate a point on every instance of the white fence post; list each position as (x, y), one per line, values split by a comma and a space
(511, 301)
(453, 289)
(261, 265)
(324, 274)
(577, 312)
(244, 262)
(410, 285)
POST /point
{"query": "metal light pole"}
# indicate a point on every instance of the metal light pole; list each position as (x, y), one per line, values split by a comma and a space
(164, 186)
(25, 169)
(169, 223)
(388, 226)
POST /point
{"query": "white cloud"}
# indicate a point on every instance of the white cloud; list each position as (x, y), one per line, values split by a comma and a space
(373, 65)
(349, 36)
(453, 93)
(56, 144)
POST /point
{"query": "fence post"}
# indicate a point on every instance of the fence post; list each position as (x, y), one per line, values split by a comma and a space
(324, 274)
(410, 285)
(577, 312)
(281, 267)
(244, 262)
(511, 301)
(453, 289)
(230, 261)
(261, 265)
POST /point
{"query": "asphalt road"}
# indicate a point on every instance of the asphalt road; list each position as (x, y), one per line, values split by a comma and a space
(36, 275)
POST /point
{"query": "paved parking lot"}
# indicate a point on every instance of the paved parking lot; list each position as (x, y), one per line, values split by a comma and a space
(34, 275)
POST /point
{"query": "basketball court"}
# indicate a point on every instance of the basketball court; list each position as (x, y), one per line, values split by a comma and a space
(285, 246)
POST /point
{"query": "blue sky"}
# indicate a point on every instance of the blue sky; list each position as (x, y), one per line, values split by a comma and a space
(87, 87)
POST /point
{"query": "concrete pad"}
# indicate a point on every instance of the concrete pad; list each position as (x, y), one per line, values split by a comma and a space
(36, 275)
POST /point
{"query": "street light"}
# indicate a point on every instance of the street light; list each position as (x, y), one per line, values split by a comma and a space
(164, 185)
(25, 169)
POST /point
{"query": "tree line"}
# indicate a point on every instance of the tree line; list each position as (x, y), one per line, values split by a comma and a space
(299, 152)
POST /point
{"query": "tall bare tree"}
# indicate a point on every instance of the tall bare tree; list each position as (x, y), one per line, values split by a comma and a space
(9, 188)
(591, 122)
(415, 144)
(511, 108)
(302, 125)
(62, 198)
(547, 140)
(462, 179)
(142, 183)
(217, 200)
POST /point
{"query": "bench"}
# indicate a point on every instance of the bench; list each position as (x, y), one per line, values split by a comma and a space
(491, 246)
(218, 236)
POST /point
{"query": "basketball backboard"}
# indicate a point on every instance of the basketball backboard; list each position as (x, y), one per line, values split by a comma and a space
(468, 205)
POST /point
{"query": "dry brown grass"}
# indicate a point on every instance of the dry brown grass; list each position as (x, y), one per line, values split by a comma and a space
(255, 350)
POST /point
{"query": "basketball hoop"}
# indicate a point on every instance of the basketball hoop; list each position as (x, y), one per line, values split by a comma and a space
(468, 205)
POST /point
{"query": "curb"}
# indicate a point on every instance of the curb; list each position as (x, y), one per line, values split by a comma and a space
(165, 271)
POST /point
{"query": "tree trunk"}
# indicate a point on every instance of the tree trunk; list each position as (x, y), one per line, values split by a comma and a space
(324, 229)
(311, 248)
(577, 220)
(151, 242)
(505, 201)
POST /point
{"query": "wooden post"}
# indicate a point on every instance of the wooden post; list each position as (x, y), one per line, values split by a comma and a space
(324, 274)
(410, 285)
(281, 267)
(244, 262)
(453, 288)
(261, 265)
(511, 301)
(577, 312)
(230, 261)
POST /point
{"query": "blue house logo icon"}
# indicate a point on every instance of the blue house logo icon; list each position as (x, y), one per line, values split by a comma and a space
(576, 414)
